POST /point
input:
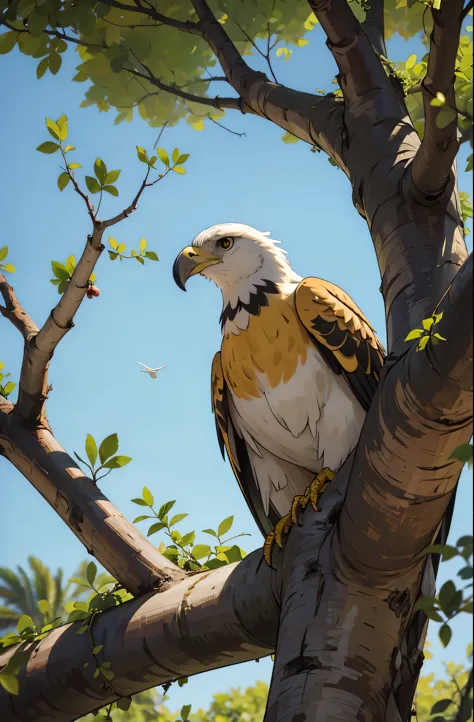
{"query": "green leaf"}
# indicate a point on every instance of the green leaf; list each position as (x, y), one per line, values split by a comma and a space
(445, 117)
(25, 622)
(427, 323)
(63, 180)
(113, 243)
(422, 343)
(124, 703)
(91, 571)
(438, 101)
(466, 573)
(447, 551)
(139, 502)
(112, 176)
(121, 248)
(70, 147)
(163, 156)
(441, 706)
(8, 388)
(70, 264)
(55, 62)
(91, 449)
(48, 147)
(116, 462)
(140, 260)
(42, 67)
(62, 286)
(151, 255)
(209, 531)
(142, 518)
(201, 550)
(463, 453)
(416, 333)
(182, 159)
(177, 518)
(175, 155)
(74, 166)
(107, 673)
(188, 539)
(156, 527)
(3, 255)
(185, 710)
(92, 185)
(165, 508)
(9, 681)
(178, 169)
(112, 190)
(60, 271)
(445, 634)
(142, 244)
(8, 268)
(53, 129)
(100, 170)
(234, 554)
(44, 606)
(224, 526)
(108, 447)
(98, 648)
(148, 496)
(7, 43)
(142, 154)
(411, 61)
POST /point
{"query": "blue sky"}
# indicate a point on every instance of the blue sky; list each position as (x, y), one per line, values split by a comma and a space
(166, 425)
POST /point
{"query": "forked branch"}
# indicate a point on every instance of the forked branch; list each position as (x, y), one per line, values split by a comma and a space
(431, 167)
(14, 312)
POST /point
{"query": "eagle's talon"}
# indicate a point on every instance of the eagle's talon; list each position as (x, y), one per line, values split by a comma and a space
(282, 527)
(301, 501)
(267, 547)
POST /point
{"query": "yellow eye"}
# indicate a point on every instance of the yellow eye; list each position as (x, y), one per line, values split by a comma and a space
(226, 243)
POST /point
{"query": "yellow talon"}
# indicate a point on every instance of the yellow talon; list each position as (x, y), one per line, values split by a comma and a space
(297, 501)
(283, 527)
(312, 494)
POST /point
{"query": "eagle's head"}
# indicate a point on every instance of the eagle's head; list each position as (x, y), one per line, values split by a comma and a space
(236, 257)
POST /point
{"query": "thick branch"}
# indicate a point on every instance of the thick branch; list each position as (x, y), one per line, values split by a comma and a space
(361, 72)
(403, 476)
(105, 533)
(431, 168)
(14, 312)
(40, 347)
(374, 26)
(210, 620)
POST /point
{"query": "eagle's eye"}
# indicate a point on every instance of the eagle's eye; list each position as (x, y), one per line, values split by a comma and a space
(226, 243)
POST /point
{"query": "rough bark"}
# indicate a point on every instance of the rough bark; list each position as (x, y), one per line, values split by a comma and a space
(212, 619)
(349, 646)
(105, 533)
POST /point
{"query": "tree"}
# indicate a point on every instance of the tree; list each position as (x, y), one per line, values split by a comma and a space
(351, 576)
(21, 593)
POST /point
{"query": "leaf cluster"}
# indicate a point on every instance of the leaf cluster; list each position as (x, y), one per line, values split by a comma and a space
(5, 267)
(106, 453)
(5, 388)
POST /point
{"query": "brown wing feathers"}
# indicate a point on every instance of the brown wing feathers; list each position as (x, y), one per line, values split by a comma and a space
(342, 335)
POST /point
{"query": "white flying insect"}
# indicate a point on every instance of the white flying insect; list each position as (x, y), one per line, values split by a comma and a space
(150, 371)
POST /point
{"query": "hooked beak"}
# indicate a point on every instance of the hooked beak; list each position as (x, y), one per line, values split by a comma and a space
(189, 262)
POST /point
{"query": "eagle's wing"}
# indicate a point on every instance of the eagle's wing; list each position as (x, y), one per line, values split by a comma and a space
(342, 335)
(237, 453)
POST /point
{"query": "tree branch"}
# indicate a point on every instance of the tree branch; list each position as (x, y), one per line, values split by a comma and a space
(105, 533)
(431, 167)
(361, 72)
(216, 102)
(465, 708)
(467, 9)
(149, 11)
(212, 619)
(374, 26)
(14, 312)
(40, 347)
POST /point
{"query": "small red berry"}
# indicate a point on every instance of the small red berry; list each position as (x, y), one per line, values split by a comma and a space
(89, 294)
(94, 291)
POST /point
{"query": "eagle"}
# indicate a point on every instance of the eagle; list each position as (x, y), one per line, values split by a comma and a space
(295, 375)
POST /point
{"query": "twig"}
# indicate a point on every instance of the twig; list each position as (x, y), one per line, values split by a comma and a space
(216, 102)
(186, 26)
(89, 206)
(233, 132)
(431, 167)
(266, 55)
(467, 10)
(14, 312)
